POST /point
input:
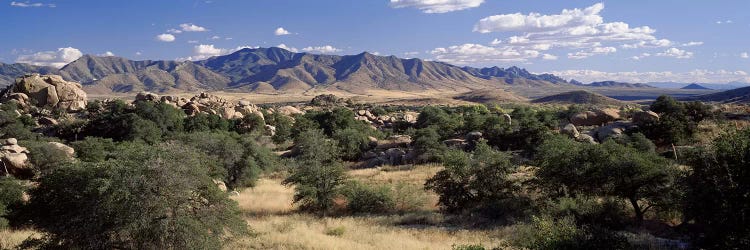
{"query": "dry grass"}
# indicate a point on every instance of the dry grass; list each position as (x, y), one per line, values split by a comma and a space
(9, 239)
(271, 216)
(309, 232)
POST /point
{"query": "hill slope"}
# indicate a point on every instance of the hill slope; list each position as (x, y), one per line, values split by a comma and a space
(740, 95)
(490, 96)
(579, 97)
(694, 86)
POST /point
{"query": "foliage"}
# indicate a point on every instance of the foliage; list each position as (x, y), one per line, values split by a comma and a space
(678, 121)
(11, 197)
(353, 143)
(336, 231)
(145, 197)
(167, 118)
(44, 157)
(94, 149)
(473, 180)
(206, 122)
(446, 124)
(563, 233)
(251, 123)
(408, 197)
(718, 192)
(568, 168)
(318, 173)
(427, 145)
(283, 126)
(363, 198)
(13, 125)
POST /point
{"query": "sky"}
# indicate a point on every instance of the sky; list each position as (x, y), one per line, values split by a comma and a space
(623, 40)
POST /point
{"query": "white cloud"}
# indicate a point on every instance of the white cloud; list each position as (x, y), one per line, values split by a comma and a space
(582, 31)
(725, 22)
(280, 31)
(28, 4)
(744, 55)
(411, 53)
(174, 31)
(592, 52)
(189, 27)
(676, 53)
(204, 51)
(165, 37)
(641, 56)
(691, 44)
(437, 6)
(376, 53)
(327, 49)
(705, 76)
(283, 46)
(477, 53)
(549, 57)
(192, 41)
(108, 53)
(138, 53)
(57, 59)
(214, 38)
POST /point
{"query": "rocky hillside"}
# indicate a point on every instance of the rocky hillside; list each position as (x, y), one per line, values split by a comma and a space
(276, 69)
(579, 97)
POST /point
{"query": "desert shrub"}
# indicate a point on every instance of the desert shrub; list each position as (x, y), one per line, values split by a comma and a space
(446, 124)
(474, 180)
(251, 123)
(283, 126)
(14, 126)
(318, 173)
(166, 117)
(353, 143)
(206, 122)
(678, 121)
(336, 231)
(563, 233)
(302, 124)
(427, 145)
(378, 111)
(363, 198)
(11, 197)
(145, 197)
(717, 192)
(45, 157)
(589, 211)
(93, 149)
(336, 120)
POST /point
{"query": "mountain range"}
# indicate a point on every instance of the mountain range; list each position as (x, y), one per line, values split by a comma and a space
(278, 70)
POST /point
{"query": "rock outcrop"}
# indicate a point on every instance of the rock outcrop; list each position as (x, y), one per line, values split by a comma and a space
(596, 117)
(47, 91)
(15, 162)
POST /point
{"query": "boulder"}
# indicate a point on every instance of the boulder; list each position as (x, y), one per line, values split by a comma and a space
(596, 117)
(508, 119)
(289, 111)
(395, 156)
(456, 143)
(10, 141)
(613, 130)
(570, 130)
(47, 121)
(394, 141)
(474, 136)
(15, 164)
(608, 115)
(271, 130)
(586, 138)
(410, 118)
(645, 117)
(48, 91)
(70, 152)
(220, 184)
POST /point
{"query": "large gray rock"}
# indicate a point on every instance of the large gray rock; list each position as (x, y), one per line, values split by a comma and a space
(613, 130)
(70, 152)
(595, 118)
(49, 91)
(570, 130)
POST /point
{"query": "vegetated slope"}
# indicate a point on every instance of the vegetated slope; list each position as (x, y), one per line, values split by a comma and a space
(694, 86)
(579, 97)
(740, 95)
(490, 96)
(276, 69)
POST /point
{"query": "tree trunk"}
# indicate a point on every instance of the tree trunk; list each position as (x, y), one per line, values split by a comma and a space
(637, 209)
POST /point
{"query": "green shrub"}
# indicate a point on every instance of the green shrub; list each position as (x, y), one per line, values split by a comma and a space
(145, 197)
(563, 233)
(11, 197)
(362, 198)
(408, 197)
(44, 157)
(352, 143)
(206, 122)
(93, 149)
(336, 231)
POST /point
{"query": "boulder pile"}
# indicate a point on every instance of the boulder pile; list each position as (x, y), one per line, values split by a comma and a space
(384, 120)
(48, 92)
(596, 117)
(14, 159)
(205, 103)
(392, 151)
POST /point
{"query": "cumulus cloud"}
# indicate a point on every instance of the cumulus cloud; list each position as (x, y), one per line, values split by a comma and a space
(549, 57)
(214, 38)
(174, 31)
(437, 6)
(108, 53)
(411, 53)
(641, 56)
(28, 4)
(691, 44)
(583, 31)
(327, 49)
(204, 51)
(676, 53)
(592, 52)
(283, 46)
(477, 53)
(56, 59)
(707, 76)
(744, 55)
(280, 31)
(165, 37)
(189, 27)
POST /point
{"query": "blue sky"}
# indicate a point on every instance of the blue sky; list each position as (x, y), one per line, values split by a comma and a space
(628, 40)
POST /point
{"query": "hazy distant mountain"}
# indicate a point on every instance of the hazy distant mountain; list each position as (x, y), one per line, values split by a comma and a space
(614, 84)
(694, 86)
(717, 86)
(579, 97)
(276, 69)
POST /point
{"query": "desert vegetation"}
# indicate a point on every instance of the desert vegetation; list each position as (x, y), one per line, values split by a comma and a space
(162, 172)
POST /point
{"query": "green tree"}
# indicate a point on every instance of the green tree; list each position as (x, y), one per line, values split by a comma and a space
(146, 197)
(11, 198)
(318, 172)
(445, 123)
(206, 122)
(718, 192)
(474, 180)
(427, 145)
(283, 126)
(352, 143)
